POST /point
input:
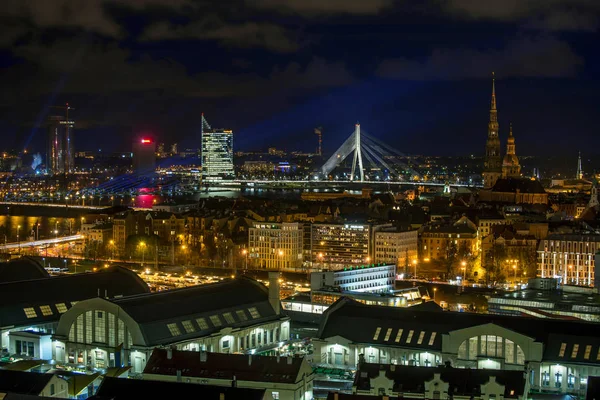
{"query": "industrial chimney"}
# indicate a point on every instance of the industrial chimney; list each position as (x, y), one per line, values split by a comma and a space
(274, 291)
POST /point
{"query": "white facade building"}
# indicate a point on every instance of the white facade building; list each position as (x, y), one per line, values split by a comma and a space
(369, 278)
(568, 257)
(276, 246)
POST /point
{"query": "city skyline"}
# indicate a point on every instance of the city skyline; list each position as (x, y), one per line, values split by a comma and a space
(416, 78)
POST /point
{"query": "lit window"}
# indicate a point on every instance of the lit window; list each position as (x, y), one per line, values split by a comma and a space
(229, 318)
(399, 335)
(432, 338)
(588, 350)
(254, 312)
(187, 325)
(46, 310)
(30, 312)
(410, 335)
(376, 335)
(561, 352)
(421, 336)
(174, 329)
(216, 321)
(202, 323)
(61, 307)
(575, 350)
(387, 334)
(241, 315)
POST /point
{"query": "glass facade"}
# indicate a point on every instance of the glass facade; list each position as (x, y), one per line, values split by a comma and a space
(217, 155)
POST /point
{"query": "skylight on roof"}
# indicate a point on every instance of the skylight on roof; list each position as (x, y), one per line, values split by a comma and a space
(432, 338)
(410, 335)
(421, 336)
(61, 307)
(387, 334)
(588, 350)
(216, 321)
(202, 323)
(174, 329)
(376, 335)
(399, 335)
(229, 318)
(575, 350)
(46, 311)
(561, 352)
(254, 312)
(30, 312)
(187, 325)
(241, 315)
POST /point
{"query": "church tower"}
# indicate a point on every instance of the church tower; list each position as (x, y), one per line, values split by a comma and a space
(579, 174)
(492, 169)
(510, 165)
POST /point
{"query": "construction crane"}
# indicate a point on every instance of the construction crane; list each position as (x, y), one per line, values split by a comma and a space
(66, 107)
(319, 132)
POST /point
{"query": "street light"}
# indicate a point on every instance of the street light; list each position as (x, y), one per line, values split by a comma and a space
(245, 254)
(414, 261)
(18, 240)
(143, 246)
(112, 248)
(280, 253)
(434, 290)
(464, 269)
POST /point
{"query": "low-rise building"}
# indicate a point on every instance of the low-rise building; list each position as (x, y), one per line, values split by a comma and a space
(239, 315)
(374, 278)
(557, 356)
(439, 382)
(284, 378)
(395, 246)
(437, 239)
(31, 383)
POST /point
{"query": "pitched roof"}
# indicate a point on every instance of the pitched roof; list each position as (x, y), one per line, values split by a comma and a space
(119, 388)
(60, 291)
(22, 269)
(408, 326)
(523, 185)
(461, 381)
(199, 302)
(23, 382)
(225, 366)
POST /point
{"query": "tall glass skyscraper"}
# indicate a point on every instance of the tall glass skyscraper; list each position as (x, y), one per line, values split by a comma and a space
(60, 156)
(217, 153)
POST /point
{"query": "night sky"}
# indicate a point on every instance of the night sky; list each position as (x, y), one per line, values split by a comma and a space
(416, 74)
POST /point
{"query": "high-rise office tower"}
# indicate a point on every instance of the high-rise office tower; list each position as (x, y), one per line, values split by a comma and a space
(493, 159)
(60, 153)
(144, 156)
(217, 153)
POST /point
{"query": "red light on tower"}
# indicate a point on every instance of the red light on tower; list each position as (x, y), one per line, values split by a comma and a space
(146, 141)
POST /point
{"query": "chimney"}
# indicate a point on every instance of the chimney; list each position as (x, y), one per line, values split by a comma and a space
(203, 355)
(249, 359)
(274, 291)
(278, 357)
(178, 375)
(106, 293)
(336, 396)
(289, 360)
(234, 382)
(221, 396)
(169, 353)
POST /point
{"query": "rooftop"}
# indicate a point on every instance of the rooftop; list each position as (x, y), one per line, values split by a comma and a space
(22, 269)
(225, 366)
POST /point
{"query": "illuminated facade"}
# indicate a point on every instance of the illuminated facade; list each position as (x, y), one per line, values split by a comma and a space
(392, 246)
(276, 246)
(493, 160)
(335, 246)
(217, 153)
(570, 258)
(60, 157)
(510, 165)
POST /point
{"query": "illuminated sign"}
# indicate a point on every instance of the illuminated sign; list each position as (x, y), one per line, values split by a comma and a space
(146, 141)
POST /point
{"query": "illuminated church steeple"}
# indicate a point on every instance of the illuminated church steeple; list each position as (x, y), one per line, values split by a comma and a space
(493, 160)
(510, 165)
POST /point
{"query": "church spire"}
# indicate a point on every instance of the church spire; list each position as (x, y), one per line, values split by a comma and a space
(493, 91)
(579, 168)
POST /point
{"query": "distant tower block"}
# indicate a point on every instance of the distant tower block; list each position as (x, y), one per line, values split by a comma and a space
(579, 168)
(319, 132)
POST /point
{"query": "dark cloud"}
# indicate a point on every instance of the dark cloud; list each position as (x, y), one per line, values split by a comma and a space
(541, 14)
(523, 57)
(248, 34)
(320, 7)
